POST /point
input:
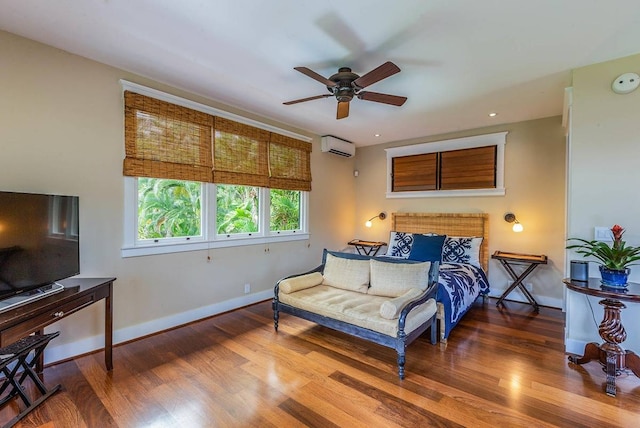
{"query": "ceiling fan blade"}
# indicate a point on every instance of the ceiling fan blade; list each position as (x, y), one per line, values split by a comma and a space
(385, 70)
(343, 110)
(382, 98)
(301, 100)
(308, 72)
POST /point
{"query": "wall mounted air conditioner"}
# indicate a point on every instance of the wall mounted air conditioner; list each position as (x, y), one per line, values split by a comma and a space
(338, 146)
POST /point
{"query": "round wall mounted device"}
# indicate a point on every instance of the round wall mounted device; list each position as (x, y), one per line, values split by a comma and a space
(625, 83)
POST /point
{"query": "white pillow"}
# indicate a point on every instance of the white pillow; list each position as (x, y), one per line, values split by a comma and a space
(399, 245)
(395, 279)
(297, 283)
(390, 309)
(348, 274)
(458, 249)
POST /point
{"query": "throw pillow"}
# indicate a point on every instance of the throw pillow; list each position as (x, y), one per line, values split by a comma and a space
(391, 309)
(395, 279)
(297, 283)
(399, 244)
(427, 248)
(462, 250)
(348, 274)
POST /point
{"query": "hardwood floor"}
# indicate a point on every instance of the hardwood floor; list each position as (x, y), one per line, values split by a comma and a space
(500, 368)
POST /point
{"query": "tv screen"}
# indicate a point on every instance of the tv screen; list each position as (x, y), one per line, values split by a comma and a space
(38, 240)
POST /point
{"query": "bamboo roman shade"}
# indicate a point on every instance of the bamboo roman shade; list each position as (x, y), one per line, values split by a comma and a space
(240, 154)
(164, 140)
(289, 163)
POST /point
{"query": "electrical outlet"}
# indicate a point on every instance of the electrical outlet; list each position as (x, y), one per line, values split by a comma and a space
(247, 288)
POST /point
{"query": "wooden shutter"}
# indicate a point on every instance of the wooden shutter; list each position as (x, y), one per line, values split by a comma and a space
(416, 172)
(468, 168)
(240, 154)
(163, 140)
(289, 163)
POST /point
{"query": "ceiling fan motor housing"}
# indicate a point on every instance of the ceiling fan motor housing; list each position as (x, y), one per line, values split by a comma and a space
(344, 90)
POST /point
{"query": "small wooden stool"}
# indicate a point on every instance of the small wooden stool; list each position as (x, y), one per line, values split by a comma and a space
(16, 366)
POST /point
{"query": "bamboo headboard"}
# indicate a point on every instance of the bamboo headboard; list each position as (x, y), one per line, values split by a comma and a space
(452, 224)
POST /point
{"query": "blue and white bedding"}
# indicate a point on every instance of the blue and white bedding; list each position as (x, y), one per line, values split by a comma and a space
(459, 286)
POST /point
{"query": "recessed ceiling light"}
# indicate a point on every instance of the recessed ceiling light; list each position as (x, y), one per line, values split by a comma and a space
(376, 135)
(492, 114)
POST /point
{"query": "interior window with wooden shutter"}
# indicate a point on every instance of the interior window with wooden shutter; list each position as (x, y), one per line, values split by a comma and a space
(240, 154)
(416, 172)
(164, 140)
(289, 163)
(468, 168)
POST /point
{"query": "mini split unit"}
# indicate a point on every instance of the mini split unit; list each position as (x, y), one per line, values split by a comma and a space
(338, 146)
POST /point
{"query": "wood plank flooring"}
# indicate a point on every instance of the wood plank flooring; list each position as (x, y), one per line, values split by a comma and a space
(500, 368)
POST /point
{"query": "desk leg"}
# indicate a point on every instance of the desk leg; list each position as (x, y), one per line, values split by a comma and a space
(108, 330)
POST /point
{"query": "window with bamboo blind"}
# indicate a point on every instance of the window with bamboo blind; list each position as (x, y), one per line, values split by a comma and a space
(198, 179)
(468, 166)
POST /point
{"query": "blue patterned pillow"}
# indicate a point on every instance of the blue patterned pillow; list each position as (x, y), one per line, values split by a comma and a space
(462, 250)
(400, 245)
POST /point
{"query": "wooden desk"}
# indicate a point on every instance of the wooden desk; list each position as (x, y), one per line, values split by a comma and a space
(612, 357)
(79, 293)
(367, 248)
(507, 259)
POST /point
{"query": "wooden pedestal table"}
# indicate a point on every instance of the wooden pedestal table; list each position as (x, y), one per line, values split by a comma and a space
(612, 357)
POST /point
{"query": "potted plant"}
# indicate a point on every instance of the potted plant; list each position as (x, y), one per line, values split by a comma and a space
(615, 259)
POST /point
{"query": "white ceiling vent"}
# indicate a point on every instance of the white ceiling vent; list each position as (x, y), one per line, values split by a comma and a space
(338, 146)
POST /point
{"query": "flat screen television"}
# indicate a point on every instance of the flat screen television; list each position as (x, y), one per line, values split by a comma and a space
(39, 241)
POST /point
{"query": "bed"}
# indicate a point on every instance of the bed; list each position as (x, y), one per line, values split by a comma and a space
(459, 284)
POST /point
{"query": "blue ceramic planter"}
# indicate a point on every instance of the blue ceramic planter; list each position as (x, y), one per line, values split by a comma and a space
(614, 278)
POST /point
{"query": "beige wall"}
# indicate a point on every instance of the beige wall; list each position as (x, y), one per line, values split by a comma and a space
(603, 179)
(61, 131)
(535, 192)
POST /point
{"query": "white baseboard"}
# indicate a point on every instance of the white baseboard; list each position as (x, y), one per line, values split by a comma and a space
(69, 350)
(572, 346)
(517, 296)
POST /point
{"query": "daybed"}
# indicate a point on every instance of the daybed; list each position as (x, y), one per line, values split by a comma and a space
(390, 303)
(465, 261)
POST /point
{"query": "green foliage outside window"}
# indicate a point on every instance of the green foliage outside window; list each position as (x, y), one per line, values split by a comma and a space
(237, 209)
(168, 208)
(285, 209)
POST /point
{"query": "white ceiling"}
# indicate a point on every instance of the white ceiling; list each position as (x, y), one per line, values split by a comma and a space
(460, 59)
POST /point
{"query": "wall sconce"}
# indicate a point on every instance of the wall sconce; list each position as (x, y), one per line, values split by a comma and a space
(381, 216)
(511, 218)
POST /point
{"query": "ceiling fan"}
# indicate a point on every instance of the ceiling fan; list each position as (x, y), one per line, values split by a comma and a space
(345, 85)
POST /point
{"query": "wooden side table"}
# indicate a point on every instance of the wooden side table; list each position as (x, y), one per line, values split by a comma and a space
(612, 357)
(367, 248)
(507, 260)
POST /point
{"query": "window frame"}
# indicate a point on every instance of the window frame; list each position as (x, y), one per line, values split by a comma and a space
(497, 139)
(210, 238)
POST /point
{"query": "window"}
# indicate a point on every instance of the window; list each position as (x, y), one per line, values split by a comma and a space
(470, 166)
(196, 179)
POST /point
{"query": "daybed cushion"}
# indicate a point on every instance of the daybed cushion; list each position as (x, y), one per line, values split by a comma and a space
(427, 248)
(391, 309)
(395, 279)
(348, 274)
(297, 283)
(462, 250)
(356, 308)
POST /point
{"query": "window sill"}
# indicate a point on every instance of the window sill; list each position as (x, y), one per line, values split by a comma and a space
(165, 248)
(447, 193)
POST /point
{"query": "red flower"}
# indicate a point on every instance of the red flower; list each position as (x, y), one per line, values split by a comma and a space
(617, 232)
